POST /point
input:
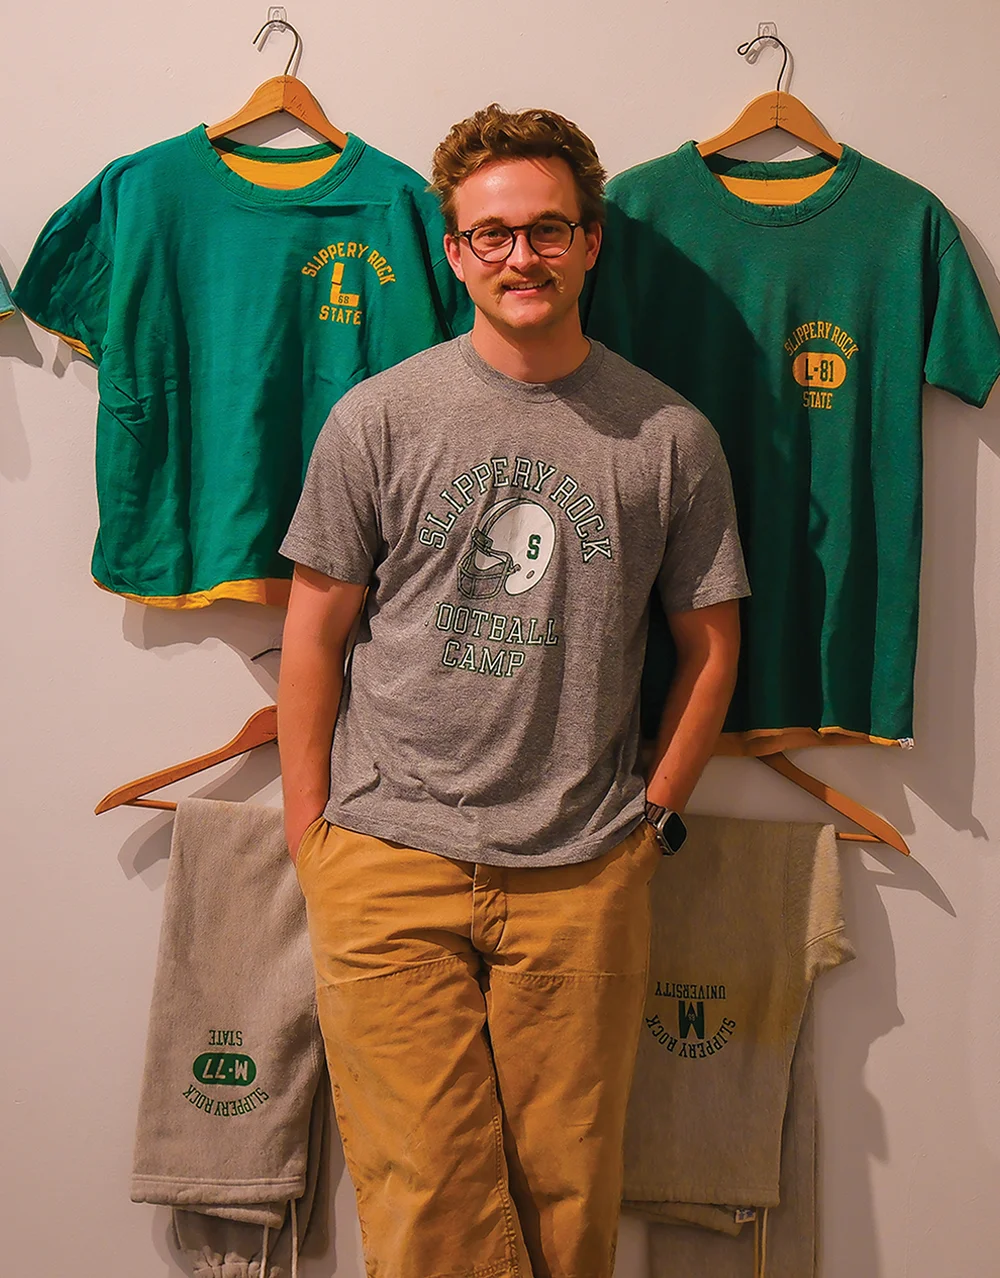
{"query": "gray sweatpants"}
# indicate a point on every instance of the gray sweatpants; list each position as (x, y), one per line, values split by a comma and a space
(234, 1091)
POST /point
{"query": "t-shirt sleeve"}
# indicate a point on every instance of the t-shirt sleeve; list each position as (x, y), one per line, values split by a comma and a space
(6, 305)
(65, 285)
(454, 303)
(963, 345)
(453, 310)
(703, 559)
(428, 304)
(336, 528)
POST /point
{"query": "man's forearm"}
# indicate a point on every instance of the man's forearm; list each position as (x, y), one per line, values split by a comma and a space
(708, 648)
(321, 614)
(309, 691)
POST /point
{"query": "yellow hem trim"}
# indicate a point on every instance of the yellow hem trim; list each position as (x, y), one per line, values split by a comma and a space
(6, 314)
(272, 591)
(74, 342)
(775, 190)
(771, 740)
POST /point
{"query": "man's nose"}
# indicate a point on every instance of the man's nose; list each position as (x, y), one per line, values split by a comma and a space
(522, 254)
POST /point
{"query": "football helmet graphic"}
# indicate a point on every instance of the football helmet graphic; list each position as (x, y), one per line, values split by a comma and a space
(511, 549)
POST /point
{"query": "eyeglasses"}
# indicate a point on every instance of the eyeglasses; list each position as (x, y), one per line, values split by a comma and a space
(548, 237)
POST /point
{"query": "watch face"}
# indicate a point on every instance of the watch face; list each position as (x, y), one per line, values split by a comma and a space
(674, 831)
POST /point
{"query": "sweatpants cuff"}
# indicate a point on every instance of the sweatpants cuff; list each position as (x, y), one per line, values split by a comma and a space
(232, 1266)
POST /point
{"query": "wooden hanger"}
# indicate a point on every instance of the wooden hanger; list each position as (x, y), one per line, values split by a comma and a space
(260, 729)
(774, 110)
(878, 830)
(281, 93)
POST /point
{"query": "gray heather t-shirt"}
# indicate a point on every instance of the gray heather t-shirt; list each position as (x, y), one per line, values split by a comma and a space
(511, 534)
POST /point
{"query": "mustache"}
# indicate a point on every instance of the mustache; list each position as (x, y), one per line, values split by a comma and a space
(505, 281)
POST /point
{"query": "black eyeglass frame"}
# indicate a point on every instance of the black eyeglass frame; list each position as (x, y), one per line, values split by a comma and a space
(527, 228)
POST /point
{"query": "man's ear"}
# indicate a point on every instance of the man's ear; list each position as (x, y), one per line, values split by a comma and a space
(453, 252)
(593, 235)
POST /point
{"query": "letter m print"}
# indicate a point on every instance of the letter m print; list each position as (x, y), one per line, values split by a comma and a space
(690, 1016)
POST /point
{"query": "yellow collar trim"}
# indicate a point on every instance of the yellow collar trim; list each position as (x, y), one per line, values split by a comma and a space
(776, 190)
(279, 177)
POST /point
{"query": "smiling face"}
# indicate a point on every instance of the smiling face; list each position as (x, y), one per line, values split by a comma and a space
(526, 295)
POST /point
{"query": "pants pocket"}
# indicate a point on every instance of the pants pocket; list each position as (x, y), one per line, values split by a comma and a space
(308, 839)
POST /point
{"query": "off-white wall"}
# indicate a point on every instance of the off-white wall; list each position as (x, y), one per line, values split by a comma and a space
(98, 691)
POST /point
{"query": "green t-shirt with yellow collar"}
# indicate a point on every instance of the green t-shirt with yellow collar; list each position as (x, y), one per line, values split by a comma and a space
(801, 305)
(229, 295)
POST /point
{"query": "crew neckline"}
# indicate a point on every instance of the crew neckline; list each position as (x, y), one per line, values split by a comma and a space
(533, 391)
(253, 192)
(705, 170)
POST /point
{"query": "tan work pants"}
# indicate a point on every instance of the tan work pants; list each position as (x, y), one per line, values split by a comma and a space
(481, 1028)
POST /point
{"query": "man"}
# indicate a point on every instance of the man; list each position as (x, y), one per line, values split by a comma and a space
(475, 858)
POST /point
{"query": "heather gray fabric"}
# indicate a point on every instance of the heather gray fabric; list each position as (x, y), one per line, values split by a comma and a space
(511, 534)
(232, 1245)
(745, 917)
(229, 1108)
(679, 1249)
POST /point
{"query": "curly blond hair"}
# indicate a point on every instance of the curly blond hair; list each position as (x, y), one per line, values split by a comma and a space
(495, 134)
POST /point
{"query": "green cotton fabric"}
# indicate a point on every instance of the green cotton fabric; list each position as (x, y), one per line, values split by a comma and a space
(6, 305)
(226, 318)
(804, 332)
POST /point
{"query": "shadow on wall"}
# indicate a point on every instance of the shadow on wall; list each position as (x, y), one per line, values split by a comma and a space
(251, 630)
(941, 768)
(149, 846)
(853, 1134)
(15, 344)
(254, 634)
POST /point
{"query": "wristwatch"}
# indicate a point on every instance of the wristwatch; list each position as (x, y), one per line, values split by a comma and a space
(669, 826)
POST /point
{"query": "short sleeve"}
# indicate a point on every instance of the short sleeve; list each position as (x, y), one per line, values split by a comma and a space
(336, 527)
(453, 299)
(963, 346)
(703, 559)
(452, 308)
(6, 305)
(431, 305)
(66, 282)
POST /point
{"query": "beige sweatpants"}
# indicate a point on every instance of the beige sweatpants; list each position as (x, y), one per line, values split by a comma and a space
(745, 919)
(784, 1237)
(480, 1028)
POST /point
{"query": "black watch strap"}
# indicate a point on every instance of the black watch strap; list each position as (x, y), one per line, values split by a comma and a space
(669, 826)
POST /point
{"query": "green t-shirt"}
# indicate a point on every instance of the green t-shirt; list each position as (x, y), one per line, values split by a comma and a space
(226, 316)
(804, 331)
